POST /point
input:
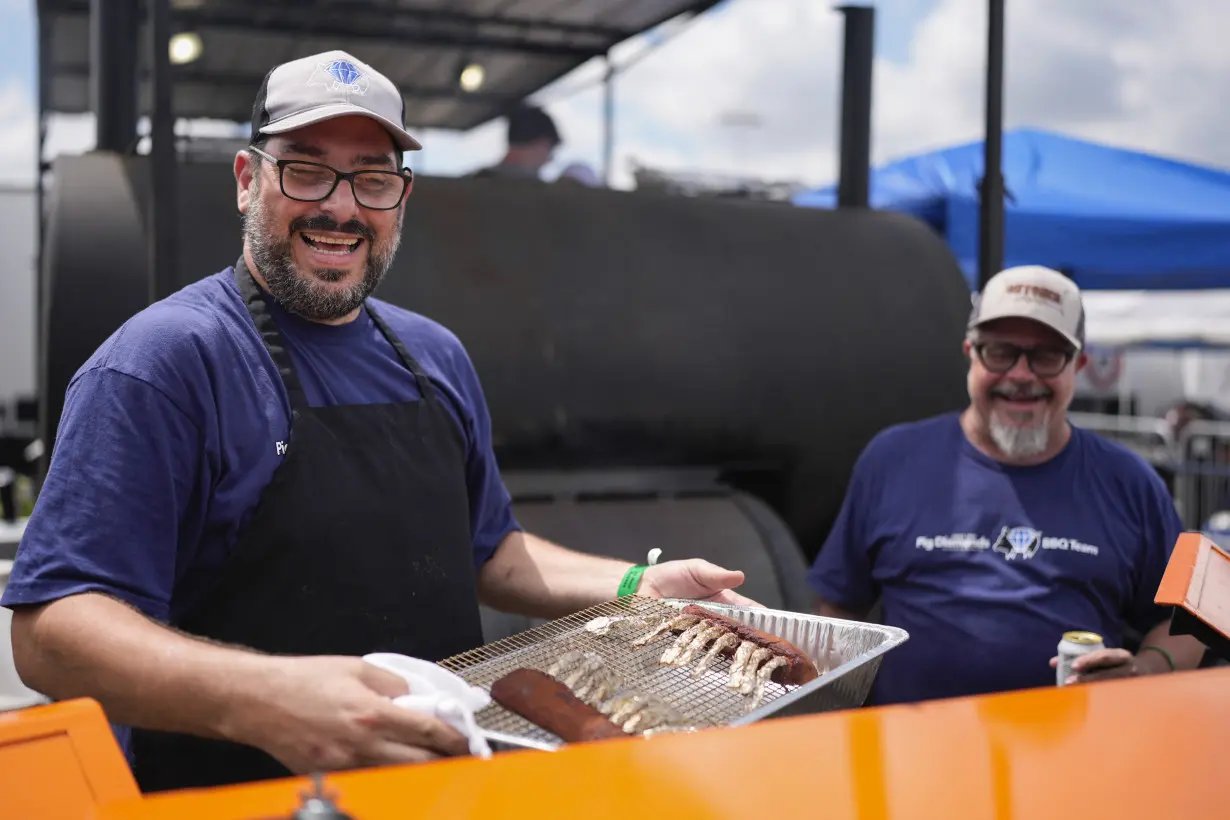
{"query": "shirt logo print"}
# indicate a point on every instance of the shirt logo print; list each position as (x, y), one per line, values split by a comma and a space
(1018, 542)
(1012, 543)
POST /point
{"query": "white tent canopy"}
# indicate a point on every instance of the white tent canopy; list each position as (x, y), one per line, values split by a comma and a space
(1159, 345)
(1178, 318)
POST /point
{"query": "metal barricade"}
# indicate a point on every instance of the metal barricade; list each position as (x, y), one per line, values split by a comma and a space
(1204, 472)
(1196, 466)
(1147, 437)
(1152, 440)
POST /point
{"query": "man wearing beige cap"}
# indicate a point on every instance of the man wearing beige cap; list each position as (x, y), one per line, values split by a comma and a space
(267, 475)
(987, 534)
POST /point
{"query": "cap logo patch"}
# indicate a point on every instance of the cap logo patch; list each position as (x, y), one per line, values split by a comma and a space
(1035, 291)
(340, 75)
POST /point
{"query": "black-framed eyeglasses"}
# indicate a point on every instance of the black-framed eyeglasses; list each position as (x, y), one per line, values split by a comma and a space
(306, 181)
(1046, 362)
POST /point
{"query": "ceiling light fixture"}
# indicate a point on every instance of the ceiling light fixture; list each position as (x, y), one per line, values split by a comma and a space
(185, 47)
(471, 78)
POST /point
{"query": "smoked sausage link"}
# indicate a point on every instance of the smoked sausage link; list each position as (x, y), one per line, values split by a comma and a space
(545, 702)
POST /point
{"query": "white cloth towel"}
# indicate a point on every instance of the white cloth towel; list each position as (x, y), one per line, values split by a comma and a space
(438, 692)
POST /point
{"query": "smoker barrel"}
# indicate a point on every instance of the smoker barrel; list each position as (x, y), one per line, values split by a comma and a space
(94, 274)
(616, 330)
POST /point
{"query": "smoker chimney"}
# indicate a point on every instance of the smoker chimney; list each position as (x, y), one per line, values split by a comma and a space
(113, 73)
(853, 188)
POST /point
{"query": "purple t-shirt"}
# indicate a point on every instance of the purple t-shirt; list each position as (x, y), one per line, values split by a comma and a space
(176, 424)
(987, 565)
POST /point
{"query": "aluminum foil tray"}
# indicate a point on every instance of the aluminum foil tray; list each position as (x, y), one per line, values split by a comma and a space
(847, 653)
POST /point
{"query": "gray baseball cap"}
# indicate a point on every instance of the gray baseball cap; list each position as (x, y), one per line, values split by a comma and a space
(325, 86)
(1033, 292)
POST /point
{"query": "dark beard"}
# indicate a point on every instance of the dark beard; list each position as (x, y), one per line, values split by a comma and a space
(299, 292)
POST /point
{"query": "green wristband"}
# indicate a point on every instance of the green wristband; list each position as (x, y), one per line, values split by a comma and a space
(632, 579)
(1169, 658)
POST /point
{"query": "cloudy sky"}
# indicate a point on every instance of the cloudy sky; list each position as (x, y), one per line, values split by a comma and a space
(1146, 74)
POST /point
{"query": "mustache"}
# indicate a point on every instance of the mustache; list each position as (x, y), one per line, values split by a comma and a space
(1031, 391)
(320, 222)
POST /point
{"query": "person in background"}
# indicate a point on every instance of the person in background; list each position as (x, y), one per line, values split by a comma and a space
(1183, 413)
(989, 533)
(1204, 458)
(532, 142)
(579, 173)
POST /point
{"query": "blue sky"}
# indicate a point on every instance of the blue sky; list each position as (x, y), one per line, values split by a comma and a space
(18, 41)
(896, 21)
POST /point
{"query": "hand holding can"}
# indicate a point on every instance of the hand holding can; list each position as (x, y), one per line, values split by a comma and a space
(1073, 645)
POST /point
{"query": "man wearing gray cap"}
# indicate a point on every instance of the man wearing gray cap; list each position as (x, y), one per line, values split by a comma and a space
(987, 534)
(269, 474)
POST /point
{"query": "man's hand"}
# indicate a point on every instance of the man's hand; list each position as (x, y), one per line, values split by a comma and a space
(1109, 664)
(693, 578)
(328, 713)
(531, 576)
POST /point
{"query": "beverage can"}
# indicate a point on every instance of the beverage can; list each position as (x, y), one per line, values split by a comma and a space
(1072, 646)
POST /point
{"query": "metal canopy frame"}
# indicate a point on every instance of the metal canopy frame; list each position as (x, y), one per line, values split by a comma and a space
(384, 23)
(420, 44)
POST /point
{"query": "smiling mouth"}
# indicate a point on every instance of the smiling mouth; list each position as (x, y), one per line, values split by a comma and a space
(331, 245)
(1019, 402)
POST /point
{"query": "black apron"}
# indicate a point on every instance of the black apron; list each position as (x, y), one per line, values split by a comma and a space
(360, 543)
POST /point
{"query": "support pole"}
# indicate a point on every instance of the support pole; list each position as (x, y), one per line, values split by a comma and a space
(608, 122)
(163, 213)
(41, 167)
(991, 211)
(113, 73)
(853, 187)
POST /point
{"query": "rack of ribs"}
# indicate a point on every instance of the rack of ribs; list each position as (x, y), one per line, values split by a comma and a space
(758, 656)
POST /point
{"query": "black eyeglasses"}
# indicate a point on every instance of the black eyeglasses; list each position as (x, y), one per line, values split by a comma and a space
(314, 182)
(1046, 362)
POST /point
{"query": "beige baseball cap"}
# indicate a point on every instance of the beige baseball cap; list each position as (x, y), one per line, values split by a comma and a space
(1033, 292)
(324, 86)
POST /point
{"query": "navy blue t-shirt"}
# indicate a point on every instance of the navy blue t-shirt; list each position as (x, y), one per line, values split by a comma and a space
(175, 425)
(987, 565)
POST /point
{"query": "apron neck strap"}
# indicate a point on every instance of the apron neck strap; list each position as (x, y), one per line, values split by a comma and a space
(275, 343)
(413, 366)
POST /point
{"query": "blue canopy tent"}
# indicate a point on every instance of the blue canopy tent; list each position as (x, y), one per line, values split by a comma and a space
(1112, 219)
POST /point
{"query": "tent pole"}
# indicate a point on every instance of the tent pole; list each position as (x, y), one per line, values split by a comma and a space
(164, 213)
(991, 212)
(42, 167)
(608, 122)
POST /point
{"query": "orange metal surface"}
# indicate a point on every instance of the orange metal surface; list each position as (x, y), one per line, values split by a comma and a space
(1197, 579)
(1180, 568)
(58, 760)
(1144, 748)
